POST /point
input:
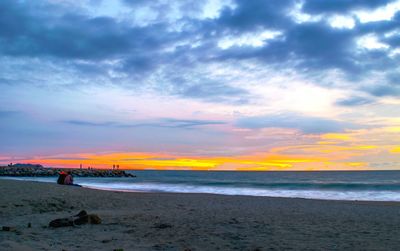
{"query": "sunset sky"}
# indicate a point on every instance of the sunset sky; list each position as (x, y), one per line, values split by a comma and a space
(202, 84)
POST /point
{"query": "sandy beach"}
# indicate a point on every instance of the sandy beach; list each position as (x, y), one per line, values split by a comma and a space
(166, 221)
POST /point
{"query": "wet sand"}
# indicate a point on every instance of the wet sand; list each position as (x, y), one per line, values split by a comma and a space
(166, 221)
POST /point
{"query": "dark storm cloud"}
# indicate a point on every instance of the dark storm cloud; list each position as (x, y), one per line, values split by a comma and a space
(135, 2)
(390, 86)
(213, 91)
(393, 41)
(249, 15)
(394, 78)
(355, 101)
(384, 90)
(46, 31)
(306, 46)
(306, 124)
(380, 27)
(314, 47)
(166, 122)
(87, 44)
(184, 123)
(70, 36)
(90, 123)
(340, 6)
(208, 90)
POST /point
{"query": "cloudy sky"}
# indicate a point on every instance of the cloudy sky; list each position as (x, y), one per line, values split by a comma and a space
(202, 84)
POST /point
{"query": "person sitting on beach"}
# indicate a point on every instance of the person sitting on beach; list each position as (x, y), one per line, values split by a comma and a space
(69, 180)
(61, 178)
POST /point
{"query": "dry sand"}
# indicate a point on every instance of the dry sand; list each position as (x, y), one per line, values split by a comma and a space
(163, 221)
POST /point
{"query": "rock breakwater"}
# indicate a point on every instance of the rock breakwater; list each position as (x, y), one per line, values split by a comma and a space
(28, 170)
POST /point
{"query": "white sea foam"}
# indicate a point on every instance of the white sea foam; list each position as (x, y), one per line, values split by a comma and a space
(286, 193)
(132, 185)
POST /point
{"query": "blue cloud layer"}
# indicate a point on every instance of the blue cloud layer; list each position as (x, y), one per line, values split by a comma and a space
(85, 43)
(341, 6)
(166, 122)
(306, 124)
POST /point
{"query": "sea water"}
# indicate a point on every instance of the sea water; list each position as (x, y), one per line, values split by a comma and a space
(338, 185)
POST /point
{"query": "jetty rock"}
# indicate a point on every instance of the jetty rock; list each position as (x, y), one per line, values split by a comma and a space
(29, 170)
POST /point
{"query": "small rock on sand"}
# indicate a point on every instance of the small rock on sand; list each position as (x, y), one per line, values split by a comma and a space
(162, 225)
(9, 229)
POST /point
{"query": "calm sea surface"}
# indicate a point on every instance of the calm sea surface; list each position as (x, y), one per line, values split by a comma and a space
(373, 186)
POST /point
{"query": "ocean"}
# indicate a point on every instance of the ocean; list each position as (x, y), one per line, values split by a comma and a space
(338, 185)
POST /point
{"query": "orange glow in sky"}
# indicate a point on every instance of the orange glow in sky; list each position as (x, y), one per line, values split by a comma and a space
(332, 151)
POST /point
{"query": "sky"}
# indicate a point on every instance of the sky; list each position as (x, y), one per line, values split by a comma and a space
(201, 85)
